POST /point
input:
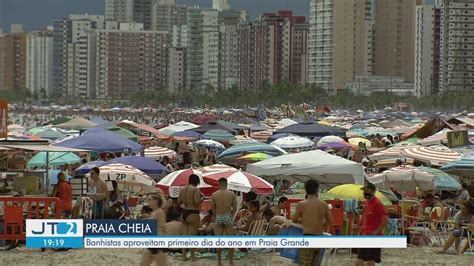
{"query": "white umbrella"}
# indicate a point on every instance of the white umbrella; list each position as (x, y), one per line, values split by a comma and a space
(329, 139)
(404, 178)
(157, 153)
(125, 173)
(292, 142)
(209, 144)
(178, 127)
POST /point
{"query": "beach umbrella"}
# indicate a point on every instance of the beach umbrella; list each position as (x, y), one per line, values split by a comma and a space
(218, 135)
(442, 180)
(277, 136)
(255, 157)
(178, 127)
(124, 173)
(240, 181)
(329, 139)
(218, 167)
(77, 123)
(50, 134)
(157, 153)
(394, 152)
(59, 120)
(87, 167)
(124, 133)
(335, 146)
(463, 166)
(436, 155)
(172, 183)
(234, 152)
(410, 141)
(293, 142)
(187, 134)
(36, 130)
(203, 119)
(144, 164)
(209, 144)
(262, 136)
(356, 141)
(54, 159)
(404, 178)
(354, 191)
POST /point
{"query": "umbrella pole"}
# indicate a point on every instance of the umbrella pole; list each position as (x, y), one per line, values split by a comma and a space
(47, 172)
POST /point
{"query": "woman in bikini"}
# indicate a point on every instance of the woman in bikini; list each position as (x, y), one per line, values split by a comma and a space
(190, 198)
(156, 202)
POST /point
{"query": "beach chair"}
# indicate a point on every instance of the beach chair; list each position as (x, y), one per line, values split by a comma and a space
(469, 228)
(257, 228)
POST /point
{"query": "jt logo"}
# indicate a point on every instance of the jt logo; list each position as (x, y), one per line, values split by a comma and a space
(57, 228)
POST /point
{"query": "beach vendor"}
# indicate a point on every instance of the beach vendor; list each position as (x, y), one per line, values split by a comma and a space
(100, 194)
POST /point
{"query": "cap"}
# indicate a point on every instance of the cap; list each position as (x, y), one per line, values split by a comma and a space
(369, 185)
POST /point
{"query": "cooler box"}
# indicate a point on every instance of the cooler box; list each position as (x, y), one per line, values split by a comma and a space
(290, 253)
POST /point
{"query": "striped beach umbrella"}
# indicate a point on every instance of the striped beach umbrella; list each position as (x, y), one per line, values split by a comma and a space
(463, 166)
(404, 178)
(240, 181)
(175, 181)
(124, 173)
(157, 153)
(217, 168)
(391, 153)
(436, 155)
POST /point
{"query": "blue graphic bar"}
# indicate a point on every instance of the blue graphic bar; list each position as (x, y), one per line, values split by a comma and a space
(54, 242)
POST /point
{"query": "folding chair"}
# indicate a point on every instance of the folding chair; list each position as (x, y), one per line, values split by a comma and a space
(257, 228)
(469, 228)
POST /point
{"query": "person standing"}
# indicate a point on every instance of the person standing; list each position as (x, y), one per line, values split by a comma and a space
(156, 202)
(190, 198)
(63, 191)
(224, 205)
(101, 195)
(314, 215)
(374, 221)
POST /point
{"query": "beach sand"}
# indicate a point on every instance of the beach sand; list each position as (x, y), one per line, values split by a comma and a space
(115, 257)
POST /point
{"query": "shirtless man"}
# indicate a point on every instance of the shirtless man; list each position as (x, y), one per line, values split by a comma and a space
(156, 201)
(189, 198)
(174, 227)
(314, 215)
(101, 196)
(277, 209)
(224, 205)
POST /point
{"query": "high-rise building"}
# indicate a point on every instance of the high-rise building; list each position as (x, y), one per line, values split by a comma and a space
(395, 38)
(164, 16)
(176, 68)
(427, 44)
(40, 62)
(220, 5)
(142, 12)
(119, 10)
(13, 61)
(70, 54)
(273, 49)
(456, 45)
(202, 51)
(340, 42)
(127, 61)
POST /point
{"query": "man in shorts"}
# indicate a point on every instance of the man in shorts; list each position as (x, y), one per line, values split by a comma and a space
(374, 222)
(224, 206)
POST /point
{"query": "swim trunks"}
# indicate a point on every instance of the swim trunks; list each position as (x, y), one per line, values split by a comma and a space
(224, 219)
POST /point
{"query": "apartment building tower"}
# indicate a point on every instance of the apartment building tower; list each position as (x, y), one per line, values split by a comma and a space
(13, 60)
(119, 10)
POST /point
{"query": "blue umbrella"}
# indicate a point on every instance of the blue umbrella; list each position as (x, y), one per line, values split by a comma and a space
(464, 166)
(442, 180)
(86, 168)
(144, 164)
(218, 135)
(187, 134)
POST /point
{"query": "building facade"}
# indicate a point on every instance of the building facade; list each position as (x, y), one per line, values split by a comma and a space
(366, 85)
(272, 49)
(456, 45)
(40, 62)
(176, 69)
(13, 61)
(164, 16)
(70, 54)
(395, 38)
(229, 21)
(340, 42)
(142, 10)
(119, 10)
(127, 61)
(427, 50)
(220, 5)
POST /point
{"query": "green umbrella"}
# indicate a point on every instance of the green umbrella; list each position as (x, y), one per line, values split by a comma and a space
(255, 157)
(50, 134)
(125, 133)
(442, 180)
(54, 159)
(36, 130)
(60, 120)
(218, 135)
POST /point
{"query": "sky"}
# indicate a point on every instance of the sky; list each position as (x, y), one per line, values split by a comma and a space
(36, 14)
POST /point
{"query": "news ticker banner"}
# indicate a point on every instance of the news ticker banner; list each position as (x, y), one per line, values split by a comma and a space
(73, 233)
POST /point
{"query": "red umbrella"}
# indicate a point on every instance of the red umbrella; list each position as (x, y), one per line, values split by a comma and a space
(240, 181)
(175, 181)
(203, 119)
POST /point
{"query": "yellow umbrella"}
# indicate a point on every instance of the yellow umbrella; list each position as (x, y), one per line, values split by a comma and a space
(353, 191)
(325, 122)
(355, 141)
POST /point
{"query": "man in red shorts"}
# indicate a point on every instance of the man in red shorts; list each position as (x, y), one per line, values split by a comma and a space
(374, 222)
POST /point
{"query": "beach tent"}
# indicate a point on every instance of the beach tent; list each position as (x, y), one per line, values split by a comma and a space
(101, 140)
(224, 125)
(77, 123)
(312, 129)
(329, 169)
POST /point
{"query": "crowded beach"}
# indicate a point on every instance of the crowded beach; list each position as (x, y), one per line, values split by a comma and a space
(243, 172)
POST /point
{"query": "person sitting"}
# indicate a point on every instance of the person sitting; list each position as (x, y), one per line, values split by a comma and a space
(464, 216)
(277, 209)
(275, 222)
(463, 196)
(207, 224)
(253, 216)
